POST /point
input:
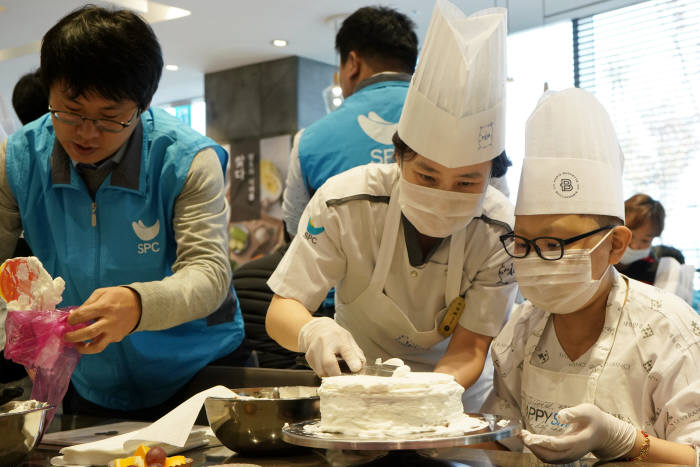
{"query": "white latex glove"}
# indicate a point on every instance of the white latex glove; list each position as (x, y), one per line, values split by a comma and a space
(321, 339)
(590, 430)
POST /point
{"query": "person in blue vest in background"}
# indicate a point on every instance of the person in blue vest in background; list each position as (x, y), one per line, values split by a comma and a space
(127, 204)
(378, 48)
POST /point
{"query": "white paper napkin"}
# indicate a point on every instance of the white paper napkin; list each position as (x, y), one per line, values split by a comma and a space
(173, 432)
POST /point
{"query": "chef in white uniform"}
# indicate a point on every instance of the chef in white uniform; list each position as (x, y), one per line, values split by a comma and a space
(402, 242)
(593, 361)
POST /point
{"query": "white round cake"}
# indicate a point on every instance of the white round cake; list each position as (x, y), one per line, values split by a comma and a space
(406, 403)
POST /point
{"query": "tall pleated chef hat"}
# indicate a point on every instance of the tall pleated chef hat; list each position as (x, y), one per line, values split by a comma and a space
(454, 113)
(573, 161)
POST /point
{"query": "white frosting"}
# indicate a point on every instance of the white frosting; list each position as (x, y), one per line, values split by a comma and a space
(45, 292)
(406, 403)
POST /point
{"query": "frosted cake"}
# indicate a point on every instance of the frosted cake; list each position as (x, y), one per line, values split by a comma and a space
(405, 404)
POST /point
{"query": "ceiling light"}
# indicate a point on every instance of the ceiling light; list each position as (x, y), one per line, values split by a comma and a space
(138, 5)
(171, 67)
(279, 43)
(160, 12)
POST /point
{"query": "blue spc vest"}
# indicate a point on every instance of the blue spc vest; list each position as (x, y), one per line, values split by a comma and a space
(130, 240)
(340, 140)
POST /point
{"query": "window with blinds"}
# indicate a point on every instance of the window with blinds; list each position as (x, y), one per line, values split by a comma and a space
(643, 63)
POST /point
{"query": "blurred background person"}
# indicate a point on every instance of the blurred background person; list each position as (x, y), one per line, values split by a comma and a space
(661, 265)
(29, 98)
(30, 101)
(378, 48)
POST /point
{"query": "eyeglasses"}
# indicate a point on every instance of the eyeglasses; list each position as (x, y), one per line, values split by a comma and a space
(110, 126)
(547, 248)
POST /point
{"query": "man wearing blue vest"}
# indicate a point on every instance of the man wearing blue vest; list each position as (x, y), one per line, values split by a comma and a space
(378, 48)
(127, 204)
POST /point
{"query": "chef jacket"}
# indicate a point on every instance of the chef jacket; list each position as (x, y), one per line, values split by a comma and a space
(338, 242)
(651, 375)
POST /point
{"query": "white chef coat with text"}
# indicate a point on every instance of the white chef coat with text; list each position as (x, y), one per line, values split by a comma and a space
(650, 376)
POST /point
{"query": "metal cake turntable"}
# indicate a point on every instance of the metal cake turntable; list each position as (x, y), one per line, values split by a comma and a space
(496, 429)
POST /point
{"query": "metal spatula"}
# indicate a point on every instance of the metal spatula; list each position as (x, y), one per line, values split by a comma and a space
(370, 369)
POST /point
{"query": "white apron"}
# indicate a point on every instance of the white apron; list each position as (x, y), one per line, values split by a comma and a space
(381, 329)
(544, 392)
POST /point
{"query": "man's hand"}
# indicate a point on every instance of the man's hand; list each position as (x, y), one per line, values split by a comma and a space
(322, 339)
(115, 312)
(591, 430)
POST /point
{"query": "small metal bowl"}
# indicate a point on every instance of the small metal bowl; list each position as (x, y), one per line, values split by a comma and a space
(254, 426)
(21, 431)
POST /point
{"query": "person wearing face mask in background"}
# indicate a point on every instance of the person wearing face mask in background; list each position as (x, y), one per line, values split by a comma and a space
(30, 101)
(592, 361)
(662, 266)
(403, 243)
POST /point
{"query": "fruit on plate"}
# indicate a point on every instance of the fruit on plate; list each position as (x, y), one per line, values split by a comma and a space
(128, 462)
(155, 456)
(180, 461)
(142, 451)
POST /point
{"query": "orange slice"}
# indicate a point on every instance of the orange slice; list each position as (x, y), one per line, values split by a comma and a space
(11, 287)
(177, 461)
(141, 451)
(129, 461)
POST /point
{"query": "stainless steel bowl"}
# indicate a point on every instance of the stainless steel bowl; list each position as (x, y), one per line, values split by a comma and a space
(20, 431)
(253, 424)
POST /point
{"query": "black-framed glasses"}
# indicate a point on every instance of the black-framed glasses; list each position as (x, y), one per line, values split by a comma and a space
(75, 119)
(547, 248)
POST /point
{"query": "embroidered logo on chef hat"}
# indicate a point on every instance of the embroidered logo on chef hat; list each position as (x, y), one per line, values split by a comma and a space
(486, 136)
(566, 185)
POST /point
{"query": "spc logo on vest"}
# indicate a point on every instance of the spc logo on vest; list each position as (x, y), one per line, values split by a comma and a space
(146, 234)
(380, 131)
(312, 231)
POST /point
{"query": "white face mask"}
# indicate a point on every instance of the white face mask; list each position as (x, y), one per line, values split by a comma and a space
(438, 213)
(631, 255)
(562, 286)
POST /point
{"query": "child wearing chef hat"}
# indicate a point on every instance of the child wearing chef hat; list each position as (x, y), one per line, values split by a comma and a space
(592, 361)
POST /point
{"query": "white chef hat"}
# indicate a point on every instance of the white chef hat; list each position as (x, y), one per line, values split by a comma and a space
(454, 112)
(573, 161)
